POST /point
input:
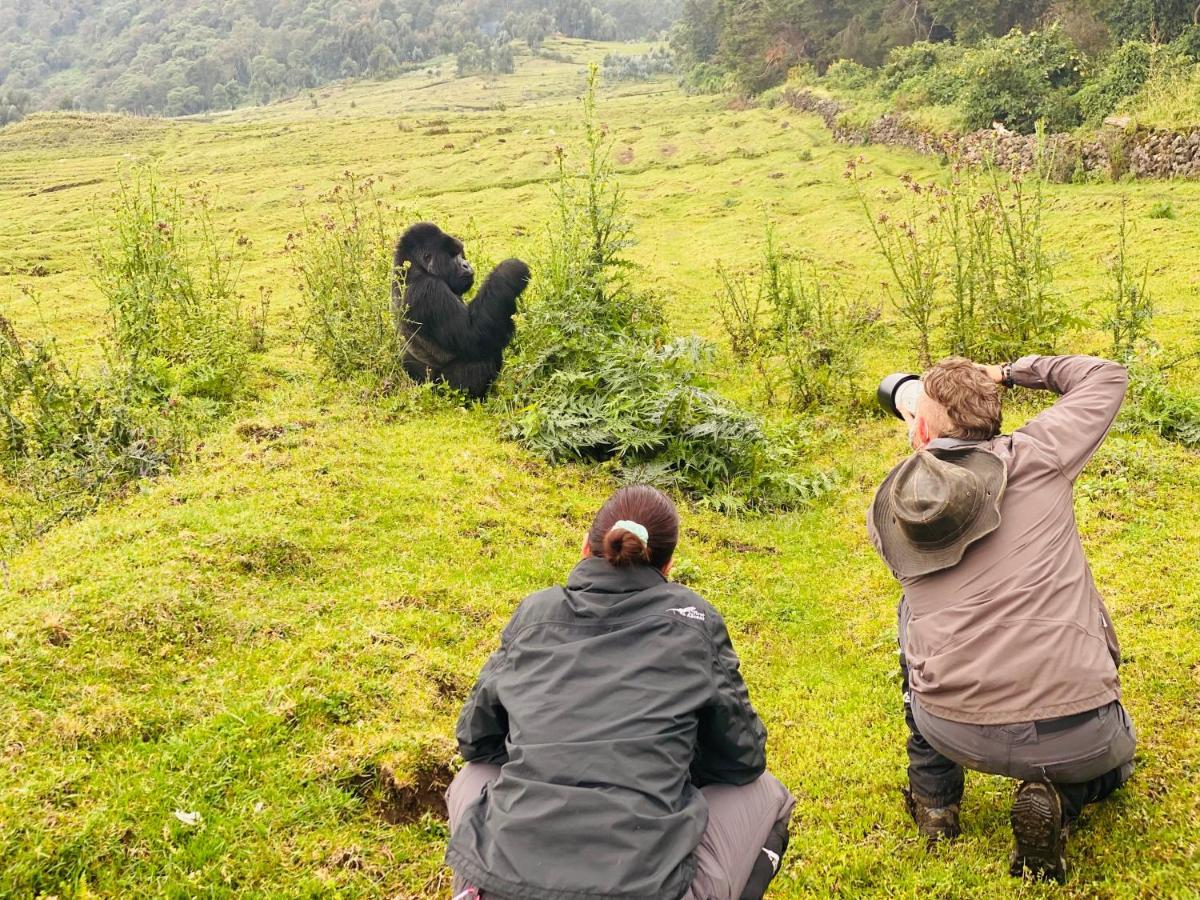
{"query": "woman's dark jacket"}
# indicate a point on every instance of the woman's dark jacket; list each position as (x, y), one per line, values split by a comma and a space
(608, 704)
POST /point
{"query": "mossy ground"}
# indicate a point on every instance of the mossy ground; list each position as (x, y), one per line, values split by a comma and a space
(278, 637)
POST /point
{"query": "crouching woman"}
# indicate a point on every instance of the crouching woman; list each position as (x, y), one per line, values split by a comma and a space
(612, 751)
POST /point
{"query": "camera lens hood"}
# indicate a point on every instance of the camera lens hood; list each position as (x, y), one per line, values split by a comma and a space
(885, 394)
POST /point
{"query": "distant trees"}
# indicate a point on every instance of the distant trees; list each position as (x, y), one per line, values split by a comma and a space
(177, 57)
(756, 41)
(620, 67)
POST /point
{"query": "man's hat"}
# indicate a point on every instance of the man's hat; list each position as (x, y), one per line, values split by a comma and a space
(936, 503)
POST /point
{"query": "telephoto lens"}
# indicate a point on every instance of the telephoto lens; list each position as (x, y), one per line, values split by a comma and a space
(900, 391)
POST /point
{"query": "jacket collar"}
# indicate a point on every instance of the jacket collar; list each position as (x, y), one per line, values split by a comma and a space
(951, 443)
(598, 576)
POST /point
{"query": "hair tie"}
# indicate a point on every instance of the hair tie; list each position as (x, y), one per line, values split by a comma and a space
(638, 531)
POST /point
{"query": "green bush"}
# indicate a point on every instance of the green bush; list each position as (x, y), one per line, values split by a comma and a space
(923, 74)
(704, 78)
(644, 67)
(1130, 305)
(176, 355)
(1021, 79)
(1170, 98)
(1187, 44)
(68, 442)
(846, 74)
(171, 286)
(971, 272)
(1157, 408)
(596, 377)
(343, 261)
(794, 325)
(1124, 73)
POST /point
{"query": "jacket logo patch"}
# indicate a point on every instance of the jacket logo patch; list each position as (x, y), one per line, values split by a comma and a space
(688, 612)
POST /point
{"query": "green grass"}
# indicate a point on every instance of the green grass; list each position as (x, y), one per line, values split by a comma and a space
(278, 637)
(1169, 101)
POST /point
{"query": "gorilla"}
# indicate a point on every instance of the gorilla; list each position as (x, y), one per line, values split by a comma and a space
(446, 339)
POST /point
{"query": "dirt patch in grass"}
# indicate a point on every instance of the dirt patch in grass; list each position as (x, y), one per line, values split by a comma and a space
(265, 434)
(55, 188)
(452, 687)
(401, 798)
(743, 547)
(271, 556)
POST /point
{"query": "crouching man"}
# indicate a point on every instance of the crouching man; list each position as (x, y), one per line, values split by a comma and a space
(1008, 655)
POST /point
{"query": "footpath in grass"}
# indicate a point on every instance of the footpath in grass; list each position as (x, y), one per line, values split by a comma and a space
(243, 678)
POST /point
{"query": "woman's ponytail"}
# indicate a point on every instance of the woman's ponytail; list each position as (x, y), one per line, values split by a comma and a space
(637, 526)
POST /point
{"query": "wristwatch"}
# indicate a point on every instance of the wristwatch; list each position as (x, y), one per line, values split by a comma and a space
(1006, 375)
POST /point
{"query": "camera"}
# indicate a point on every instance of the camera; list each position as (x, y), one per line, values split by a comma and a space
(900, 391)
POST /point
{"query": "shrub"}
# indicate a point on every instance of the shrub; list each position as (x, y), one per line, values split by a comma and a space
(913, 252)
(1020, 79)
(1170, 98)
(923, 73)
(848, 75)
(1123, 75)
(1130, 305)
(704, 78)
(1155, 407)
(644, 67)
(596, 377)
(970, 268)
(1187, 43)
(70, 443)
(171, 286)
(343, 260)
(794, 325)
(176, 355)
(1161, 210)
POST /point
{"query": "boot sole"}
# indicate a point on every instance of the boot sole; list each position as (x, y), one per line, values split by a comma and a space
(1038, 833)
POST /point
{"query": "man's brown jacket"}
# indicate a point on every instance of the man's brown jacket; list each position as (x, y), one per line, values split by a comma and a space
(1016, 631)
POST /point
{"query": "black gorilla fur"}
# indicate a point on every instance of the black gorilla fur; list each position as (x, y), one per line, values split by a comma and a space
(449, 340)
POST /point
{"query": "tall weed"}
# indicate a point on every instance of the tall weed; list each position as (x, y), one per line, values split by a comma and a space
(343, 262)
(1130, 305)
(170, 281)
(793, 324)
(912, 244)
(176, 354)
(595, 375)
(972, 274)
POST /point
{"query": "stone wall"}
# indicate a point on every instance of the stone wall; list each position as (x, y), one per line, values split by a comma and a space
(1113, 152)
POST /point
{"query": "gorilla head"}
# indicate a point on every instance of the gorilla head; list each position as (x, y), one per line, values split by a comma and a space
(426, 247)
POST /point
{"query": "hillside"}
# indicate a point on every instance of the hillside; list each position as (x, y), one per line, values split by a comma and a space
(242, 679)
(176, 58)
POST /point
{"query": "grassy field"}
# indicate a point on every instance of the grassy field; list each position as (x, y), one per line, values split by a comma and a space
(243, 678)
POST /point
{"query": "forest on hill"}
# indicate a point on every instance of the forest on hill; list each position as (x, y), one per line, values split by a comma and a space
(758, 41)
(188, 56)
(1059, 63)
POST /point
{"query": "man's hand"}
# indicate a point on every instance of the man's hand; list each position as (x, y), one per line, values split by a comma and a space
(996, 373)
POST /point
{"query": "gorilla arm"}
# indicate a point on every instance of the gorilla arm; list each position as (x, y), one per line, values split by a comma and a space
(472, 331)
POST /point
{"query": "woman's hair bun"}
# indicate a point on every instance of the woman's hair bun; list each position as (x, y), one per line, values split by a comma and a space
(638, 525)
(624, 548)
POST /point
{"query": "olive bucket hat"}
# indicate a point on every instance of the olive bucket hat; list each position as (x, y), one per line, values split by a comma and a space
(934, 505)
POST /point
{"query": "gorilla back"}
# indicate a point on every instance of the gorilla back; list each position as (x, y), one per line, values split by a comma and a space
(446, 339)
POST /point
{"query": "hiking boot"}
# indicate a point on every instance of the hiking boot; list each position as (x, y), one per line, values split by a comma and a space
(934, 823)
(1039, 834)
